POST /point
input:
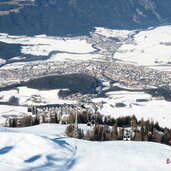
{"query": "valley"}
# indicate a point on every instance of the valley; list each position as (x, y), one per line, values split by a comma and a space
(71, 61)
(96, 55)
(73, 73)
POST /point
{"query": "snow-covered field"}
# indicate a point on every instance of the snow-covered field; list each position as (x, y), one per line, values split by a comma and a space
(44, 147)
(112, 33)
(29, 96)
(43, 45)
(140, 104)
(154, 109)
(7, 111)
(149, 47)
(75, 57)
(63, 49)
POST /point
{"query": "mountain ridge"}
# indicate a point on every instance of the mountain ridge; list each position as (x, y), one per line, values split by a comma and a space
(77, 17)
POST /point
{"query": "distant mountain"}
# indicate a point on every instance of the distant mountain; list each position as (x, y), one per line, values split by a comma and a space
(78, 17)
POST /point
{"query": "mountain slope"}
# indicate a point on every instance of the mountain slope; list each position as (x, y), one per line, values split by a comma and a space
(28, 150)
(65, 17)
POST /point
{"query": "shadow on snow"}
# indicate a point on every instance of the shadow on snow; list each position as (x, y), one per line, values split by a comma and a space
(53, 159)
(6, 150)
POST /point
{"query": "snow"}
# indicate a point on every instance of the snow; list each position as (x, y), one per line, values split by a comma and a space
(56, 48)
(76, 57)
(27, 97)
(6, 110)
(112, 33)
(2, 61)
(149, 47)
(121, 156)
(158, 111)
(13, 65)
(28, 149)
(154, 109)
(43, 45)
(127, 95)
(32, 152)
(25, 94)
(45, 147)
(17, 58)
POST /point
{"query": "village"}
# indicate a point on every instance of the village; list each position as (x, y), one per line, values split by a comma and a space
(105, 68)
(51, 113)
(99, 127)
(132, 76)
(102, 65)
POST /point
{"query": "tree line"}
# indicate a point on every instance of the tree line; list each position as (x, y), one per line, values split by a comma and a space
(114, 129)
(103, 128)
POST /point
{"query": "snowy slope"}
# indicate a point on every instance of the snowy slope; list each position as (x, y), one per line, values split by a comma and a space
(121, 156)
(26, 149)
(32, 152)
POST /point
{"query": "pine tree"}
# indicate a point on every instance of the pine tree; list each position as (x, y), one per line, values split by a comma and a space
(148, 127)
(137, 136)
(114, 132)
(166, 135)
(71, 118)
(156, 136)
(142, 132)
(80, 134)
(120, 134)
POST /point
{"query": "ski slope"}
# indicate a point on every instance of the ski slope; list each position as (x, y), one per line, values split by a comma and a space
(44, 147)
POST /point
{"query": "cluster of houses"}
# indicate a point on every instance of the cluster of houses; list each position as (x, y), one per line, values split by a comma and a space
(132, 75)
(50, 113)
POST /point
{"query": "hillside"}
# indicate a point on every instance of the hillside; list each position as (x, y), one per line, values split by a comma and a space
(82, 83)
(77, 17)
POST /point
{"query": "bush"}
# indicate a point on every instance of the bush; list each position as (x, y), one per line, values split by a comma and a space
(70, 130)
(13, 101)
